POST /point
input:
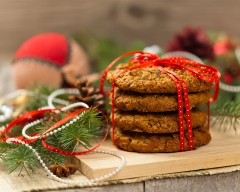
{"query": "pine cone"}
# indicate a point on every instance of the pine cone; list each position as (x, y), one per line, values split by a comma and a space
(63, 170)
(192, 40)
(89, 95)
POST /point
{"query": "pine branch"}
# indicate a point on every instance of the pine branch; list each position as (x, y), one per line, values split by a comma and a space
(39, 99)
(227, 115)
(15, 131)
(45, 124)
(5, 122)
(49, 157)
(85, 130)
(81, 133)
(54, 140)
(20, 158)
(5, 148)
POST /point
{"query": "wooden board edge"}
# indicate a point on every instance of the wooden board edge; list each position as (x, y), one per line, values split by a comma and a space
(161, 168)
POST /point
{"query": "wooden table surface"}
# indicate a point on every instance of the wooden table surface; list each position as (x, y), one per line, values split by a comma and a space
(219, 182)
(228, 182)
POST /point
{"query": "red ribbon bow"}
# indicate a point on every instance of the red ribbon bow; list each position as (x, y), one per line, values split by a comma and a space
(144, 60)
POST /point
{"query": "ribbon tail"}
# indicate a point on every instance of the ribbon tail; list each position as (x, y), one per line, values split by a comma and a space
(216, 93)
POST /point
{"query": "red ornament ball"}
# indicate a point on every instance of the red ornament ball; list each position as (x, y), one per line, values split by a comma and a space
(49, 58)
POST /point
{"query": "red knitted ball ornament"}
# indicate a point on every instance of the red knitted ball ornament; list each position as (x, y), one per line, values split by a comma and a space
(49, 58)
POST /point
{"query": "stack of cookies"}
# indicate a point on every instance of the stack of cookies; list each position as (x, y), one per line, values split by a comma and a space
(146, 115)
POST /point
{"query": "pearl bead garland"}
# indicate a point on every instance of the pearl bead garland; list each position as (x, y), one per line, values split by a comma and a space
(26, 127)
(104, 177)
(6, 113)
(18, 92)
(52, 99)
(73, 105)
(182, 54)
(58, 92)
(230, 88)
(29, 125)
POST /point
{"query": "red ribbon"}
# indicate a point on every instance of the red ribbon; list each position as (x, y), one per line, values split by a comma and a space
(32, 115)
(64, 120)
(40, 113)
(144, 60)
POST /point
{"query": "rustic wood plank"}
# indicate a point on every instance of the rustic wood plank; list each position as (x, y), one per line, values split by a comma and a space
(153, 21)
(221, 182)
(22, 19)
(133, 187)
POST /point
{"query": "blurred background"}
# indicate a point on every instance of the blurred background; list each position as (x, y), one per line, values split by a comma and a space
(125, 22)
(152, 21)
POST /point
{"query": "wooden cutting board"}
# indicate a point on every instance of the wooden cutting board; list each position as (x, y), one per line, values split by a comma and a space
(223, 150)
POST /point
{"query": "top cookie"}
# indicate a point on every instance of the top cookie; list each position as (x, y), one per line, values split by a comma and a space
(151, 80)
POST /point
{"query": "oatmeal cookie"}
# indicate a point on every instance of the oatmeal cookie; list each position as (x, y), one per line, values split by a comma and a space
(156, 122)
(129, 101)
(155, 143)
(151, 80)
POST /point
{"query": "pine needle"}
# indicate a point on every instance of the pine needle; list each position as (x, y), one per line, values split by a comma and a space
(227, 115)
(5, 148)
(85, 130)
(20, 158)
(81, 133)
(49, 157)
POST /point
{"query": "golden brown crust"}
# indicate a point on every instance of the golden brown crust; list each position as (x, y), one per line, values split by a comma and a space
(155, 143)
(156, 122)
(129, 101)
(151, 80)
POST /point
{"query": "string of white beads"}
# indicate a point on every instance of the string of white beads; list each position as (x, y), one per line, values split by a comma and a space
(52, 98)
(104, 177)
(29, 125)
(183, 54)
(58, 92)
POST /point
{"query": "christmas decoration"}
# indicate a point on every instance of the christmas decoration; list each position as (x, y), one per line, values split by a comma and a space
(89, 94)
(49, 58)
(227, 116)
(63, 170)
(26, 156)
(144, 60)
(45, 136)
(226, 109)
(227, 60)
(23, 100)
(193, 40)
(92, 181)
